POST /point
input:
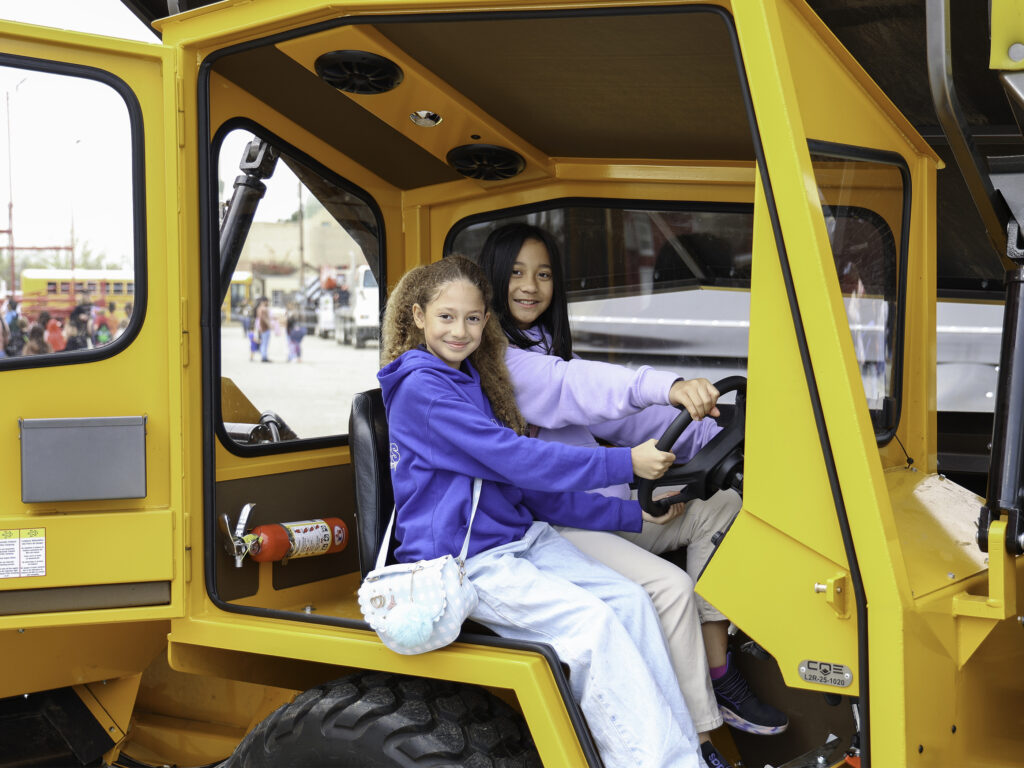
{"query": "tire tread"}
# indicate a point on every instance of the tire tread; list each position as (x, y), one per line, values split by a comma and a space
(383, 720)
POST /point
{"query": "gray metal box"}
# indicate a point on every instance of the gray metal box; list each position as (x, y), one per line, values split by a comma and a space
(80, 459)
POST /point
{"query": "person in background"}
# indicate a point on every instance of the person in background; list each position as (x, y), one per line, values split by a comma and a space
(263, 327)
(245, 315)
(55, 335)
(102, 333)
(296, 332)
(5, 335)
(79, 330)
(18, 336)
(36, 344)
(11, 312)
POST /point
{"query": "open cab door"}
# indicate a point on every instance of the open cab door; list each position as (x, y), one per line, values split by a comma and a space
(91, 510)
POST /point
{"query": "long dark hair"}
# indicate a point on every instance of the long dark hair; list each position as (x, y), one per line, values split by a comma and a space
(497, 257)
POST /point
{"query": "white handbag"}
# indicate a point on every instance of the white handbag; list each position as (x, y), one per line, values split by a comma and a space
(418, 607)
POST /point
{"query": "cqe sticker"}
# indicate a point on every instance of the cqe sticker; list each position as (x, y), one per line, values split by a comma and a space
(825, 673)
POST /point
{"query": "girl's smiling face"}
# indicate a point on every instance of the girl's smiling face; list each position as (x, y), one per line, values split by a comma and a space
(453, 322)
(531, 284)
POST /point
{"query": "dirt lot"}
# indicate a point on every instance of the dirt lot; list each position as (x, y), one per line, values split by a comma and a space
(313, 396)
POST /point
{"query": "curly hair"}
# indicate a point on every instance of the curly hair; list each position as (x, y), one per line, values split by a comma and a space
(400, 334)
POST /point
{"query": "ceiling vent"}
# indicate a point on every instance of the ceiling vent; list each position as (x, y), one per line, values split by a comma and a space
(486, 162)
(358, 72)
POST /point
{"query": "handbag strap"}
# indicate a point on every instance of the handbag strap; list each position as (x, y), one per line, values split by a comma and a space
(383, 553)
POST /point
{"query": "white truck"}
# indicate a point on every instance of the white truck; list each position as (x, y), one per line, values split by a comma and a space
(358, 320)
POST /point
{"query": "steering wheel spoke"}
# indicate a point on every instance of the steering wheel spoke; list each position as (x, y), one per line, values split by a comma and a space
(717, 465)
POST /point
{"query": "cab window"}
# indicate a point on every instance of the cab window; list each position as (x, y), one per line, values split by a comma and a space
(865, 202)
(70, 228)
(662, 286)
(300, 301)
(669, 286)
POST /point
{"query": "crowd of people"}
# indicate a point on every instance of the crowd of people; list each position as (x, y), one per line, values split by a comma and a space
(259, 326)
(88, 325)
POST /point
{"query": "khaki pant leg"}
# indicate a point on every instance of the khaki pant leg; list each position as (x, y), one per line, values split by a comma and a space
(693, 530)
(671, 591)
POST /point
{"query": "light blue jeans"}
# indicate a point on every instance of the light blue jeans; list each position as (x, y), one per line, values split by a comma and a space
(264, 345)
(605, 628)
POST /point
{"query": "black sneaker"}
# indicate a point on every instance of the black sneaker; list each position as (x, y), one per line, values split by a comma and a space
(742, 709)
(712, 757)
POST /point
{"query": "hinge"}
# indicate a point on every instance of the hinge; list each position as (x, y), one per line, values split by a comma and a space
(836, 591)
(179, 105)
(184, 333)
(187, 560)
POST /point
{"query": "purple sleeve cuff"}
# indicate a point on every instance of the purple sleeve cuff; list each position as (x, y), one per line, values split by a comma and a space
(632, 518)
(621, 469)
(655, 386)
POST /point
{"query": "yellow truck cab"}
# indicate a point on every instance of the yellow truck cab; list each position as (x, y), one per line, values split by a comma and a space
(733, 193)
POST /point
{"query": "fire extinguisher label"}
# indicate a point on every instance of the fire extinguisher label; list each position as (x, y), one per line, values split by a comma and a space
(22, 552)
(309, 537)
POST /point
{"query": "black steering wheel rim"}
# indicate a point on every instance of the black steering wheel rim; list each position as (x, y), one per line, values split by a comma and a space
(717, 465)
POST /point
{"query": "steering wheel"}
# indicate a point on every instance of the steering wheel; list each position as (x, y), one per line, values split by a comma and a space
(716, 466)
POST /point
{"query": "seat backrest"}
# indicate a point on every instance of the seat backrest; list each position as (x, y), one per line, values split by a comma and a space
(371, 451)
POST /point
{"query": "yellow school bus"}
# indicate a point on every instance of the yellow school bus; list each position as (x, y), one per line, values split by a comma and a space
(58, 291)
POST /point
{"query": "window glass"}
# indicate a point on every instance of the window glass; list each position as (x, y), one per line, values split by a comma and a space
(69, 204)
(670, 287)
(300, 316)
(863, 203)
(649, 286)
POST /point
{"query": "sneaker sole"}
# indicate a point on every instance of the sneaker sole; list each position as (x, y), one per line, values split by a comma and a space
(731, 718)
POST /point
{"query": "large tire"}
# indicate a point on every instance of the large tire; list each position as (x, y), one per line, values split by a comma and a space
(381, 720)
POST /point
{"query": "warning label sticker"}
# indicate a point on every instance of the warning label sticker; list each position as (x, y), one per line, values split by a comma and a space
(22, 552)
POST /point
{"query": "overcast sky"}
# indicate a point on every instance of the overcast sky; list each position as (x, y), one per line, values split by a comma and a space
(101, 17)
(70, 164)
(64, 141)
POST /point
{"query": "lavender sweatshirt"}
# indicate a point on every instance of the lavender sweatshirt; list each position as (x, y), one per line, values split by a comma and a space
(578, 401)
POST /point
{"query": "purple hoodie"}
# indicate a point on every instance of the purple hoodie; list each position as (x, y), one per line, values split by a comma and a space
(444, 433)
(578, 401)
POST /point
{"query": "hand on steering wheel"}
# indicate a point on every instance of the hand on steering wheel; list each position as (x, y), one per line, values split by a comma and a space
(718, 465)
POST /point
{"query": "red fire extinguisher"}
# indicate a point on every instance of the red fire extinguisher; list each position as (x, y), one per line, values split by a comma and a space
(275, 542)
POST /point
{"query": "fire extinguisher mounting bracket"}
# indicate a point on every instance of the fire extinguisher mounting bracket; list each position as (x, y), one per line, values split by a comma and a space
(237, 543)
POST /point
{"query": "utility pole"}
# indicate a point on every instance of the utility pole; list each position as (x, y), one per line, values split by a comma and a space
(10, 186)
(10, 190)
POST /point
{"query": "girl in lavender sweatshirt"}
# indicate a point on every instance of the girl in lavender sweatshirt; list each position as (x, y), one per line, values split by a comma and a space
(569, 400)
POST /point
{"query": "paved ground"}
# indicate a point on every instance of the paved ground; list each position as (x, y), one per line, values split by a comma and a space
(313, 396)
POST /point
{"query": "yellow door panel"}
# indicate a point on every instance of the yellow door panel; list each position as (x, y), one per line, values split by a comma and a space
(99, 534)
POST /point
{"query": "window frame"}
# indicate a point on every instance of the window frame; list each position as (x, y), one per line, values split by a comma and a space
(212, 279)
(136, 131)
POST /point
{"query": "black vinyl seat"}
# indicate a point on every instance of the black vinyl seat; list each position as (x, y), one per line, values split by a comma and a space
(375, 499)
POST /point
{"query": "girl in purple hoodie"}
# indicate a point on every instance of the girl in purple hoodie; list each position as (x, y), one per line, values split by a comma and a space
(578, 402)
(448, 399)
